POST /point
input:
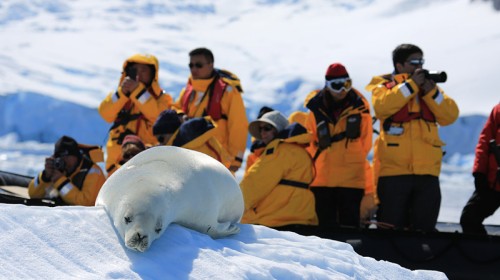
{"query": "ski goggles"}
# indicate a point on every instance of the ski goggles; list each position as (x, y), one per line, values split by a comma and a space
(337, 85)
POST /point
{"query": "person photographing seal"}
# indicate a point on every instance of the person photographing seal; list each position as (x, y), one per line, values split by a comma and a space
(69, 176)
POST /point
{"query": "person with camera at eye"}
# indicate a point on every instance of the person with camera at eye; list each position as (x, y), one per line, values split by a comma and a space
(276, 186)
(216, 93)
(486, 171)
(341, 136)
(134, 106)
(410, 107)
(69, 176)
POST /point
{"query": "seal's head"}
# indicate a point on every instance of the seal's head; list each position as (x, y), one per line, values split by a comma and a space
(141, 229)
(140, 215)
(139, 226)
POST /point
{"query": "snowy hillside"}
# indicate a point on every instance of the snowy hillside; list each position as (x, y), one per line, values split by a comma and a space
(73, 51)
(59, 59)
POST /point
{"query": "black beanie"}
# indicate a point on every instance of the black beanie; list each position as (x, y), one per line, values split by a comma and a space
(167, 122)
(66, 146)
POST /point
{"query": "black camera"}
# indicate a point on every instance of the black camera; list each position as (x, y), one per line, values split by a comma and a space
(59, 164)
(436, 76)
(131, 72)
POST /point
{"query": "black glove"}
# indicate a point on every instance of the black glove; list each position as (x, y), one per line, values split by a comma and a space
(480, 181)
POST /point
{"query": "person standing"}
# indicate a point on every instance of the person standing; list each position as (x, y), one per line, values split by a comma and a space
(134, 106)
(341, 128)
(218, 94)
(410, 107)
(486, 171)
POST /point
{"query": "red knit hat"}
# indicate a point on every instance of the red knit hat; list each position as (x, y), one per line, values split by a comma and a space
(335, 71)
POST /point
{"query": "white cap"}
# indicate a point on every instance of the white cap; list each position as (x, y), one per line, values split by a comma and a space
(274, 118)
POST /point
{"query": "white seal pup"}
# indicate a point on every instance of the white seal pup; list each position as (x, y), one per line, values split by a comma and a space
(166, 184)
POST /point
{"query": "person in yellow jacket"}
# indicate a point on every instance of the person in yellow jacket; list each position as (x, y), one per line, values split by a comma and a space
(410, 108)
(196, 134)
(131, 146)
(69, 176)
(134, 106)
(218, 94)
(257, 146)
(341, 128)
(276, 187)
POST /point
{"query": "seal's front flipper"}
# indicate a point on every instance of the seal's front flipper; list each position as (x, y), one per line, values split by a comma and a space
(223, 229)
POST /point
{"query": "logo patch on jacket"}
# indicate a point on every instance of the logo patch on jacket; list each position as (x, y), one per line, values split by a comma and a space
(269, 151)
(390, 84)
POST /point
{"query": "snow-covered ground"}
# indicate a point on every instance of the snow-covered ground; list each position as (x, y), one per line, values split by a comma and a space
(60, 58)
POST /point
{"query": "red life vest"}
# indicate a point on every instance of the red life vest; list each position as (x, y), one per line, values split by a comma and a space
(404, 115)
(215, 91)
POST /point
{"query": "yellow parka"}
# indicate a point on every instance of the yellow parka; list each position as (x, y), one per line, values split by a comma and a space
(411, 147)
(135, 114)
(79, 188)
(232, 128)
(342, 164)
(201, 138)
(269, 200)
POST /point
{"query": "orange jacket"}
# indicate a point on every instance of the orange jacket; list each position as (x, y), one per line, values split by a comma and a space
(198, 134)
(342, 164)
(73, 190)
(143, 106)
(232, 129)
(411, 147)
(270, 201)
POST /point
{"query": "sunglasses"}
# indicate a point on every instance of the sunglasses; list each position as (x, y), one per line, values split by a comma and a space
(198, 65)
(337, 85)
(416, 61)
(266, 127)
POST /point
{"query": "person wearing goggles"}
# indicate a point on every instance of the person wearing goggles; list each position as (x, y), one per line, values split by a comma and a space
(340, 123)
(410, 108)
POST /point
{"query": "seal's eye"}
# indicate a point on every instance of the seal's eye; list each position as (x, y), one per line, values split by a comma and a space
(128, 220)
(158, 226)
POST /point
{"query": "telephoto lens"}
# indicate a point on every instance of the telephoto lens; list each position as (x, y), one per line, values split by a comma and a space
(436, 76)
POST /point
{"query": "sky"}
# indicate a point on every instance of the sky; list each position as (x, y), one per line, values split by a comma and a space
(61, 58)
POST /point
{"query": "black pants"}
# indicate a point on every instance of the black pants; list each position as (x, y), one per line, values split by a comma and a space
(12, 179)
(337, 206)
(482, 204)
(409, 201)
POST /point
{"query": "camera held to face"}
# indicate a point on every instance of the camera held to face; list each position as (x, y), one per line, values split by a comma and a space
(131, 72)
(59, 164)
(436, 76)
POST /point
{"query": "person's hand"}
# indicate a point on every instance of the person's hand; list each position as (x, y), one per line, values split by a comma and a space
(480, 181)
(56, 175)
(425, 85)
(48, 170)
(419, 77)
(129, 85)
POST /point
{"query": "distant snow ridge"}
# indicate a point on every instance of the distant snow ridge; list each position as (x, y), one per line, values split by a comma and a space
(44, 119)
(461, 137)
